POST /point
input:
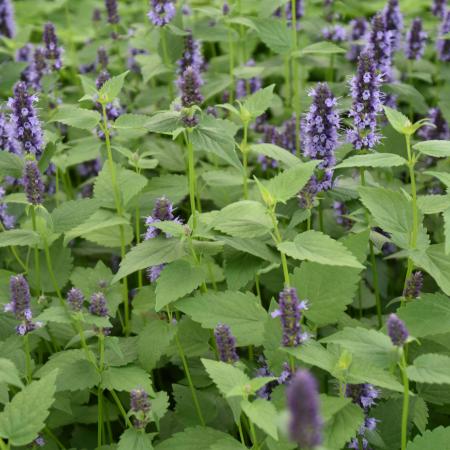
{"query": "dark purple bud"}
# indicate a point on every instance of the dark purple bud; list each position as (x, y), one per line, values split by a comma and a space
(192, 55)
(397, 331)
(6, 219)
(341, 213)
(305, 426)
(416, 40)
(226, 344)
(439, 7)
(32, 183)
(360, 28)
(140, 406)
(102, 58)
(161, 12)
(335, 33)
(225, 9)
(290, 312)
(24, 121)
(443, 45)
(189, 84)
(7, 24)
(112, 12)
(394, 22)
(380, 44)
(52, 50)
(75, 299)
(98, 305)
(440, 130)
(363, 395)
(413, 286)
(366, 106)
(96, 15)
(247, 87)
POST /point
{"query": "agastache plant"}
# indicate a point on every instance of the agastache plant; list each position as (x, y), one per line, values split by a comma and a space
(192, 55)
(189, 83)
(75, 299)
(380, 44)
(413, 286)
(437, 129)
(226, 344)
(360, 28)
(7, 23)
(161, 12)
(416, 40)
(32, 183)
(112, 12)
(52, 51)
(247, 87)
(443, 45)
(394, 22)
(335, 33)
(439, 7)
(140, 407)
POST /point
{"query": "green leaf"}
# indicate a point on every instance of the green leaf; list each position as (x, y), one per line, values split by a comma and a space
(242, 312)
(263, 414)
(258, 102)
(168, 286)
(56, 314)
(150, 253)
(245, 219)
(131, 122)
(318, 247)
(446, 217)
(164, 122)
(275, 152)
(399, 122)
(19, 238)
(439, 438)
(433, 204)
(373, 160)
(225, 376)
(441, 176)
(73, 116)
(437, 149)
(10, 164)
(151, 66)
(77, 376)
(126, 379)
(24, 416)
(72, 213)
(251, 387)
(289, 183)
(275, 34)
(112, 87)
(408, 94)
(430, 368)
(252, 246)
(135, 439)
(320, 48)
(9, 373)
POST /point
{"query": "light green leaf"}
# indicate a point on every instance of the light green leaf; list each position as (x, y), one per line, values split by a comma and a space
(373, 160)
(275, 34)
(251, 387)
(444, 177)
(24, 416)
(56, 314)
(131, 122)
(168, 286)
(439, 438)
(258, 102)
(135, 439)
(245, 219)
(399, 122)
(275, 152)
(10, 164)
(433, 204)
(19, 238)
(73, 116)
(438, 149)
(164, 122)
(430, 368)
(318, 247)
(72, 213)
(263, 414)
(126, 379)
(242, 312)
(9, 373)
(446, 217)
(320, 48)
(151, 66)
(225, 376)
(112, 87)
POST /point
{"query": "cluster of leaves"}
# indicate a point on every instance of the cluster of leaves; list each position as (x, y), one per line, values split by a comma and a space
(241, 237)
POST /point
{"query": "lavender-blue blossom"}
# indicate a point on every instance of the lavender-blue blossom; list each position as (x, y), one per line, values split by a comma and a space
(7, 23)
(443, 45)
(112, 12)
(397, 330)
(439, 7)
(250, 86)
(32, 182)
(380, 44)
(8, 142)
(189, 83)
(226, 344)
(360, 28)
(416, 40)
(161, 12)
(6, 219)
(140, 406)
(52, 51)
(98, 306)
(394, 22)
(334, 33)
(75, 299)
(305, 426)
(413, 286)
(192, 55)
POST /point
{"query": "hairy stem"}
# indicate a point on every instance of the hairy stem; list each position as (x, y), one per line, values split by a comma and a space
(405, 410)
(191, 173)
(278, 239)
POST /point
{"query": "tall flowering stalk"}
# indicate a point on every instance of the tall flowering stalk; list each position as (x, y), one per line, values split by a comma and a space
(413, 286)
(439, 7)
(320, 127)
(7, 23)
(24, 120)
(112, 12)
(226, 344)
(443, 45)
(32, 183)
(52, 51)
(360, 28)
(380, 44)
(140, 407)
(305, 426)
(416, 39)
(438, 128)
(192, 55)
(394, 22)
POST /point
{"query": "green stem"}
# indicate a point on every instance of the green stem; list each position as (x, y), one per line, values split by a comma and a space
(84, 345)
(54, 438)
(244, 150)
(121, 409)
(13, 250)
(231, 64)
(241, 434)
(253, 434)
(191, 173)
(405, 410)
(189, 378)
(3, 445)
(296, 81)
(101, 348)
(36, 250)
(278, 239)
(48, 259)
(26, 345)
(166, 60)
(320, 213)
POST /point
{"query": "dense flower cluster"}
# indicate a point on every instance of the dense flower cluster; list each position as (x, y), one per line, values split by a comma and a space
(189, 84)
(394, 22)
(380, 44)
(112, 12)
(161, 12)
(32, 182)
(397, 330)
(192, 55)
(75, 299)
(413, 286)
(226, 344)
(7, 141)
(443, 45)
(335, 33)
(360, 28)
(52, 51)
(416, 40)
(140, 407)
(6, 220)
(7, 24)
(439, 7)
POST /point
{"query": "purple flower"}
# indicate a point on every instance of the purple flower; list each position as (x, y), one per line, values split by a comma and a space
(397, 331)
(226, 344)
(112, 12)
(413, 286)
(24, 54)
(366, 95)
(416, 40)
(6, 220)
(192, 55)
(305, 427)
(394, 22)
(380, 44)
(102, 58)
(52, 50)
(98, 306)
(96, 15)
(189, 84)
(247, 87)
(335, 33)
(341, 212)
(299, 12)
(161, 12)
(154, 272)
(7, 141)
(75, 299)
(443, 45)
(225, 8)
(440, 130)
(360, 28)
(32, 182)
(7, 24)
(25, 123)
(439, 7)
(39, 441)
(132, 63)
(140, 406)
(264, 371)
(290, 312)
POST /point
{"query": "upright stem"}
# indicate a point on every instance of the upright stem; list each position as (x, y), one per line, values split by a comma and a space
(405, 402)
(26, 345)
(36, 250)
(231, 64)
(295, 97)
(138, 235)
(101, 348)
(253, 433)
(278, 239)
(14, 251)
(191, 173)
(189, 378)
(48, 259)
(121, 408)
(166, 61)
(244, 150)
(373, 263)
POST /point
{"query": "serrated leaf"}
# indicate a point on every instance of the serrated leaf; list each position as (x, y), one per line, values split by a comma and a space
(437, 149)
(126, 379)
(9, 373)
(318, 247)
(433, 204)
(168, 286)
(275, 152)
(263, 414)
(430, 368)
(135, 439)
(73, 116)
(320, 48)
(225, 376)
(72, 213)
(439, 438)
(164, 122)
(275, 34)
(399, 121)
(242, 312)
(131, 122)
(10, 164)
(258, 102)
(19, 238)
(373, 160)
(24, 416)
(112, 87)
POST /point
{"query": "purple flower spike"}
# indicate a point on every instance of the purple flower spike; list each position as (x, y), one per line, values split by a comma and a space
(102, 58)
(112, 12)
(7, 141)
(299, 12)
(363, 395)
(438, 8)
(225, 9)
(98, 306)
(443, 45)
(7, 24)
(335, 33)
(360, 28)
(413, 286)
(397, 331)
(226, 344)
(52, 51)
(380, 43)
(440, 130)
(75, 299)
(367, 105)
(290, 312)
(38, 68)
(140, 406)
(24, 121)
(192, 55)
(305, 427)
(161, 12)
(247, 87)
(96, 15)
(416, 40)
(189, 84)
(32, 183)
(6, 220)
(154, 272)
(394, 22)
